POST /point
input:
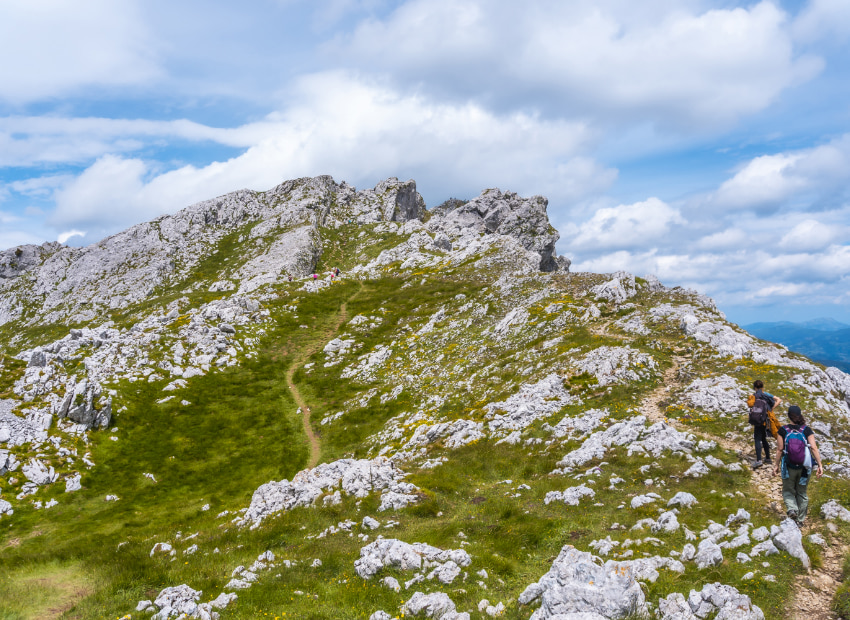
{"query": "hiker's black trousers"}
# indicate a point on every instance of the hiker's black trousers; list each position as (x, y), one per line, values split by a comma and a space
(760, 437)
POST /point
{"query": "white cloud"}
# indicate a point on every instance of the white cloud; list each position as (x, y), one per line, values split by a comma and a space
(358, 131)
(763, 181)
(8, 218)
(39, 187)
(11, 238)
(809, 236)
(64, 236)
(54, 47)
(640, 225)
(823, 18)
(787, 289)
(729, 239)
(742, 277)
(32, 140)
(666, 62)
(766, 182)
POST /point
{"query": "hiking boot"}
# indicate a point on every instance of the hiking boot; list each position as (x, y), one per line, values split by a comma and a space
(757, 464)
(792, 514)
(768, 461)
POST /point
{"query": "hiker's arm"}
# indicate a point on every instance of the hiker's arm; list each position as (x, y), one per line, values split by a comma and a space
(814, 446)
(780, 446)
(776, 401)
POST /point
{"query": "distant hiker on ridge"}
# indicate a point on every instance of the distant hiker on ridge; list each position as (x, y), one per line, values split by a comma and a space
(761, 406)
(796, 450)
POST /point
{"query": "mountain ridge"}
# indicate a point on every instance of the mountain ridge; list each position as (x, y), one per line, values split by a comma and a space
(488, 426)
(829, 343)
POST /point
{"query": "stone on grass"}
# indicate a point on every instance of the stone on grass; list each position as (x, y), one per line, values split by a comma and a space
(177, 600)
(698, 469)
(223, 600)
(832, 510)
(445, 573)
(370, 523)
(161, 547)
(392, 553)
(666, 522)
(726, 601)
(72, 483)
(578, 583)
(570, 496)
(788, 537)
(436, 605)
(767, 548)
(708, 554)
(646, 569)
(604, 546)
(493, 611)
(760, 533)
(742, 516)
(357, 478)
(683, 499)
(391, 583)
(642, 500)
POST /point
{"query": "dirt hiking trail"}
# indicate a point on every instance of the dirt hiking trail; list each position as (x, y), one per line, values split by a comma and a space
(812, 596)
(329, 333)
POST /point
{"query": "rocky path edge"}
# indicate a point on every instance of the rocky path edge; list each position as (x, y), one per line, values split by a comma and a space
(811, 598)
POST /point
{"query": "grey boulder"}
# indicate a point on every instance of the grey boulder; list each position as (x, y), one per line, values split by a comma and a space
(579, 583)
(788, 537)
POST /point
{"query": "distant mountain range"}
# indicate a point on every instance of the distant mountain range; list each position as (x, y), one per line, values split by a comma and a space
(824, 340)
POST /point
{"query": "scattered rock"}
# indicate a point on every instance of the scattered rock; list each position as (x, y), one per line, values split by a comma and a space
(788, 537)
(578, 583)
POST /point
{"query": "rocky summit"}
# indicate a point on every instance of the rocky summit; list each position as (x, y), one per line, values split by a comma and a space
(324, 402)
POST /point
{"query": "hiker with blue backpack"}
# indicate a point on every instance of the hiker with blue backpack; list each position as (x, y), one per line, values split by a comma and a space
(761, 417)
(797, 450)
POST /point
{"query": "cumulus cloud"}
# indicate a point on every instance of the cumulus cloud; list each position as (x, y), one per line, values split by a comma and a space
(660, 61)
(640, 224)
(741, 277)
(742, 257)
(766, 182)
(808, 236)
(359, 131)
(61, 46)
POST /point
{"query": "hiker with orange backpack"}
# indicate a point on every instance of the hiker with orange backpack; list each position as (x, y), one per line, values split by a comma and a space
(761, 406)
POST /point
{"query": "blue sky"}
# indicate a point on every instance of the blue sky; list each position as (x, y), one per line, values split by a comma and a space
(705, 142)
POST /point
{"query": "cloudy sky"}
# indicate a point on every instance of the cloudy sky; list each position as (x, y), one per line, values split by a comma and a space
(705, 141)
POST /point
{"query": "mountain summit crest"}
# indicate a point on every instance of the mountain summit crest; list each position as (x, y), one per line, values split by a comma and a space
(327, 402)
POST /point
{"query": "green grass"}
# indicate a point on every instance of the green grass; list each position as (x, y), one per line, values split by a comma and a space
(241, 430)
(44, 590)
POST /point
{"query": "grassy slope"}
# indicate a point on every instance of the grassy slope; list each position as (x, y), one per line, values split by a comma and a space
(241, 430)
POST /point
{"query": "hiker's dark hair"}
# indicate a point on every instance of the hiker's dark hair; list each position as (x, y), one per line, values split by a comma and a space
(758, 384)
(795, 415)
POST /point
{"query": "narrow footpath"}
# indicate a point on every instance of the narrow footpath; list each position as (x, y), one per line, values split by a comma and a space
(813, 592)
(298, 362)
